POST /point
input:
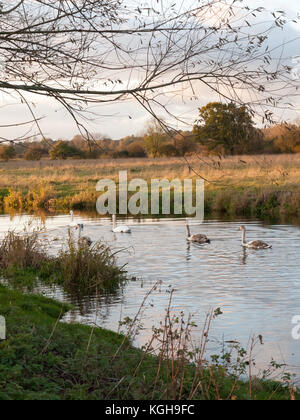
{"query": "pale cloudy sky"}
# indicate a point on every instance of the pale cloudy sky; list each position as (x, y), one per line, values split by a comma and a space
(113, 120)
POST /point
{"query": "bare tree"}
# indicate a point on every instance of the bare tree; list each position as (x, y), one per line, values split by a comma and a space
(90, 52)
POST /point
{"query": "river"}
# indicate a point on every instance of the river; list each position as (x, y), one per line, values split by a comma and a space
(257, 291)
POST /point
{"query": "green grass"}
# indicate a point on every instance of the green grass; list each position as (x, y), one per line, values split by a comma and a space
(43, 359)
(33, 366)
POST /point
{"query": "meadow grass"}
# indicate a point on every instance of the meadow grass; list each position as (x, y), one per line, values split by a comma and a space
(240, 185)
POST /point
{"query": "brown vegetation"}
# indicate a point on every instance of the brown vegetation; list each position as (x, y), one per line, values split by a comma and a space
(78, 267)
(238, 185)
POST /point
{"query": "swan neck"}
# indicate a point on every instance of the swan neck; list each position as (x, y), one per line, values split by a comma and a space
(114, 221)
(188, 230)
(243, 237)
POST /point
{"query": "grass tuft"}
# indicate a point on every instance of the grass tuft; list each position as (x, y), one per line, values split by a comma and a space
(22, 251)
(88, 268)
(77, 267)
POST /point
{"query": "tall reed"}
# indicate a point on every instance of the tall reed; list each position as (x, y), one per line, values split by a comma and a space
(23, 250)
(77, 267)
(88, 268)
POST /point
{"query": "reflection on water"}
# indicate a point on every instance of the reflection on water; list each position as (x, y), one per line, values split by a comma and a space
(258, 291)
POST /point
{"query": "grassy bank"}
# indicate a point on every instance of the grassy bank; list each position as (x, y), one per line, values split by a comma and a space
(46, 359)
(43, 359)
(243, 185)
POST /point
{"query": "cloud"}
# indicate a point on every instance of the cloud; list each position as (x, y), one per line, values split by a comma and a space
(125, 118)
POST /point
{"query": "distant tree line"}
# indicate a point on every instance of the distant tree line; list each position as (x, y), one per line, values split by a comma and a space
(225, 129)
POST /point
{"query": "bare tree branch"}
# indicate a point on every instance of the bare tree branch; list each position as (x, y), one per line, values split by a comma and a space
(90, 52)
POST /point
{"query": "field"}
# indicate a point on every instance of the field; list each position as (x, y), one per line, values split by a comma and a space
(262, 185)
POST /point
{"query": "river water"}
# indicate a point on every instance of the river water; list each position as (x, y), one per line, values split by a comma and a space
(257, 291)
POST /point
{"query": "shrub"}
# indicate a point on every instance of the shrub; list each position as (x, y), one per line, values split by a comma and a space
(63, 150)
(168, 150)
(34, 153)
(185, 143)
(285, 137)
(7, 152)
(120, 154)
(83, 200)
(136, 150)
(14, 200)
(40, 197)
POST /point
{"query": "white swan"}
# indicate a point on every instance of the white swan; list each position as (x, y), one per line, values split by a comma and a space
(198, 238)
(120, 228)
(253, 244)
(73, 223)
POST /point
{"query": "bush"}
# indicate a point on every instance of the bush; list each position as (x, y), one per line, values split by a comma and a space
(284, 137)
(40, 197)
(63, 150)
(7, 152)
(136, 150)
(120, 154)
(14, 200)
(185, 143)
(34, 153)
(168, 150)
(83, 200)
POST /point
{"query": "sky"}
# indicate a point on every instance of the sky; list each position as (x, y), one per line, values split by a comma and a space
(123, 119)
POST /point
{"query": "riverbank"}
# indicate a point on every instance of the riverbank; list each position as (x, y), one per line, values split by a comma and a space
(257, 186)
(44, 359)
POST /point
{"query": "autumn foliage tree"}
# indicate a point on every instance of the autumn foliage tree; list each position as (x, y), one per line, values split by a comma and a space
(7, 152)
(63, 150)
(225, 128)
(155, 137)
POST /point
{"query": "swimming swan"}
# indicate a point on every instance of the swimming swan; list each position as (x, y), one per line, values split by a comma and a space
(76, 225)
(198, 238)
(86, 240)
(253, 244)
(120, 228)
